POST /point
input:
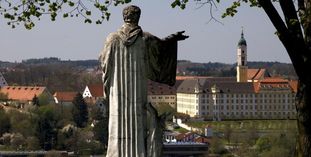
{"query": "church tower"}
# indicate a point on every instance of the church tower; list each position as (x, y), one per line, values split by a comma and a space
(241, 68)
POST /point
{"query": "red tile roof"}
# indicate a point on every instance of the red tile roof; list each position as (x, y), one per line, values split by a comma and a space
(65, 96)
(190, 77)
(22, 93)
(294, 85)
(275, 82)
(255, 74)
(155, 88)
(271, 80)
(97, 90)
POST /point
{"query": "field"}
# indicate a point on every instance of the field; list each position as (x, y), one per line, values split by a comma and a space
(256, 138)
(259, 125)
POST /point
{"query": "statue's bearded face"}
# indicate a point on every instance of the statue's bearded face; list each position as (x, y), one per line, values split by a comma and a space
(131, 14)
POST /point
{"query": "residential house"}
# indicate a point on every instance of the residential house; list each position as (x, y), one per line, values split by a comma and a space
(64, 98)
(2, 81)
(93, 91)
(93, 95)
(159, 93)
(23, 95)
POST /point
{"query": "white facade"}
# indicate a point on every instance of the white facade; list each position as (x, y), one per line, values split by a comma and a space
(86, 93)
(263, 105)
(188, 103)
(2, 81)
(163, 99)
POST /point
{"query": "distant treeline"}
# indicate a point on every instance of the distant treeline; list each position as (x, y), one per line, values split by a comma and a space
(61, 75)
(54, 60)
(229, 70)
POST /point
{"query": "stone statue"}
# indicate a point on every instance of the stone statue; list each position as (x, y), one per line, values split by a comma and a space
(130, 57)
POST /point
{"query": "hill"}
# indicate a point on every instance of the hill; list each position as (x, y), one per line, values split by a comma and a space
(185, 67)
(60, 75)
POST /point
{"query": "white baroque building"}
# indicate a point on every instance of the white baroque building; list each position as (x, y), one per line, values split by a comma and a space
(253, 94)
(220, 98)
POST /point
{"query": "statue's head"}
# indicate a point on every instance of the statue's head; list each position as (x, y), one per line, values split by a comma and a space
(131, 14)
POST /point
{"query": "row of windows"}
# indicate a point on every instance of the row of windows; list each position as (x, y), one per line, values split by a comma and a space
(246, 107)
(281, 95)
(251, 113)
(249, 101)
(161, 97)
(171, 103)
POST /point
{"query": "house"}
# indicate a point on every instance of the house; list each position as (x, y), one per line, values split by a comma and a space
(64, 98)
(93, 95)
(23, 95)
(177, 144)
(159, 93)
(2, 81)
(93, 92)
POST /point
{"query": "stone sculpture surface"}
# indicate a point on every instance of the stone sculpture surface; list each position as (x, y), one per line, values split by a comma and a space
(129, 58)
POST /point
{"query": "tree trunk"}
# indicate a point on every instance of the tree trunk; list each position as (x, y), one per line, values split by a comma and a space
(298, 47)
(303, 106)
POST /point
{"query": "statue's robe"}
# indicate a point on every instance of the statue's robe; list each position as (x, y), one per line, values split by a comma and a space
(130, 57)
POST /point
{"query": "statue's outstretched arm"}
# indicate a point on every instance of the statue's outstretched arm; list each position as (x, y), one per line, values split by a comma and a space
(177, 36)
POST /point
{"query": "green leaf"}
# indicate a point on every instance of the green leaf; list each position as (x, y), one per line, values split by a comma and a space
(65, 15)
(71, 3)
(88, 13)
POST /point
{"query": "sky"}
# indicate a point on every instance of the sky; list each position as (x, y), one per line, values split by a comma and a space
(71, 39)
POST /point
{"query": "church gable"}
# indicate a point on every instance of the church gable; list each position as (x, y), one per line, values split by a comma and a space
(2, 81)
(87, 93)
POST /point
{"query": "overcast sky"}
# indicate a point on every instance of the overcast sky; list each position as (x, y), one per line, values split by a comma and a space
(209, 42)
